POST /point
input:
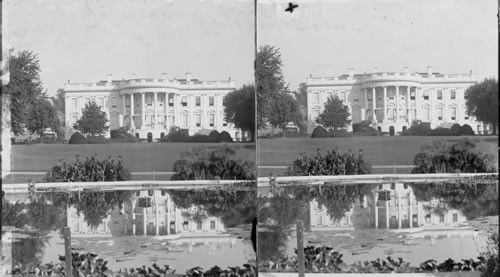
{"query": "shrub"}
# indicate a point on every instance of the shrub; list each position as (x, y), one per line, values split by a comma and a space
(420, 129)
(341, 133)
(320, 132)
(455, 129)
(466, 130)
(77, 138)
(198, 138)
(97, 140)
(175, 134)
(333, 163)
(363, 128)
(121, 135)
(441, 132)
(214, 136)
(224, 137)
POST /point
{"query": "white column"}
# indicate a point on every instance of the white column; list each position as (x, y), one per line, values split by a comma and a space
(133, 216)
(373, 100)
(168, 215)
(417, 103)
(177, 219)
(410, 213)
(408, 104)
(387, 214)
(397, 103)
(155, 109)
(157, 215)
(399, 211)
(385, 103)
(132, 124)
(432, 107)
(418, 214)
(166, 123)
(144, 222)
(365, 92)
(124, 106)
(143, 110)
(176, 116)
(217, 119)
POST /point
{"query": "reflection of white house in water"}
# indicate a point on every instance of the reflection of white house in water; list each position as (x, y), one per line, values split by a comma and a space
(401, 211)
(162, 218)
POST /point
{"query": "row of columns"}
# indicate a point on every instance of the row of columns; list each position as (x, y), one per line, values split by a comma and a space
(397, 96)
(387, 218)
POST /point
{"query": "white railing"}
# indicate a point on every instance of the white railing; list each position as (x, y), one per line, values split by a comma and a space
(372, 178)
(118, 185)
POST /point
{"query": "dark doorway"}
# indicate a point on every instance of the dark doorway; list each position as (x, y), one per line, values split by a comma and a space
(404, 128)
(137, 135)
(379, 128)
(391, 131)
(162, 134)
(150, 137)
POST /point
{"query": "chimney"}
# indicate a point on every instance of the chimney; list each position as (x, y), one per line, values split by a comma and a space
(134, 76)
(188, 77)
(164, 76)
(405, 69)
(429, 70)
(375, 69)
(351, 72)
(110, 77)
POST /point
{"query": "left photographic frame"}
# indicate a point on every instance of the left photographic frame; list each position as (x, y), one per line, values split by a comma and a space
(128, 137)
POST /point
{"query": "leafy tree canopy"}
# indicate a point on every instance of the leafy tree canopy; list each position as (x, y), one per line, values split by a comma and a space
(42, 115)
(482, 102)
(240, 108)
(270, 81)
(285, 109)
(24, 87)
(93, 121)
(335, 115)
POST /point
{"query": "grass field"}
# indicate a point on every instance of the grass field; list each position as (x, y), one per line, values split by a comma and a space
(396, 150)
(137, 157)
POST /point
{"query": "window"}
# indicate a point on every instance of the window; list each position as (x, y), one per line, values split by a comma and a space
(212, 224)
(440, 113)
(185, 225)
(356, 96)
(391, 94)
(198, 101)
(453, 112)
(184, 101)
(453, 94)
(198, 120)
(211, 101)
(426, 95)
(74, 104)
(466, 116)
(149, 100)
(412, 95)
(224, 123)
(211, 118)
(316, 97)
(170, 101)
(455, 217)
(184, 120)
(440, 94)
(427, 115)
(315, 114)
(114, 101)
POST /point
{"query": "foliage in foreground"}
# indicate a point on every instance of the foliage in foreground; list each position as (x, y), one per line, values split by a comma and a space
(94, 205)
(90, 265)
(327, 260)
(332, 163)
(219, 164)
(492, 267)
(460, 157)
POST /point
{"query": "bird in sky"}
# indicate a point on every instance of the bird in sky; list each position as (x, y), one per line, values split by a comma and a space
(291, 7)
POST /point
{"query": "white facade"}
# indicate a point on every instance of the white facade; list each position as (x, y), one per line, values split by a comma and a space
(162, 218)
(153, 106)
(401, 212)
(393, 100)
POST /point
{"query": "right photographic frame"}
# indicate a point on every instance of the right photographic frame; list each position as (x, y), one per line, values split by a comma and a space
(377, 137)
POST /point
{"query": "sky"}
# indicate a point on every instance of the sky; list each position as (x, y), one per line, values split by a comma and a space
(84, 40)
(326, 38)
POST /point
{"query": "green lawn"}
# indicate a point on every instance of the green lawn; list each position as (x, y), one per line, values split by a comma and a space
(137, 157)
(385, 150)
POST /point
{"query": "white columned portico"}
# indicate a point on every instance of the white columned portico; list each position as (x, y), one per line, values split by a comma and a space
(397, 103)
(143, 108)
(155, 109)
(385, 103)
(132, 124)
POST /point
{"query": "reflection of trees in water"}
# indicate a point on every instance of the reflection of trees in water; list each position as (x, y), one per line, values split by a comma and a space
(472, 199)
(29, 250)
(272, 242)
(234, 207)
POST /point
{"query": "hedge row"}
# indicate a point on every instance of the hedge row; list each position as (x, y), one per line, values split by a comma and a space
(424, 129)
(179, 135)
(78, 138)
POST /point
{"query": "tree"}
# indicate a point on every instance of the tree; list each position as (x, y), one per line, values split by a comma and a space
(42, 115)
(24, 87)
(93, 120)
(335, 115)
(482, 102)
(269, 80)
(285, 109)
(301, 95)
(240, 109)
(59, 103)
